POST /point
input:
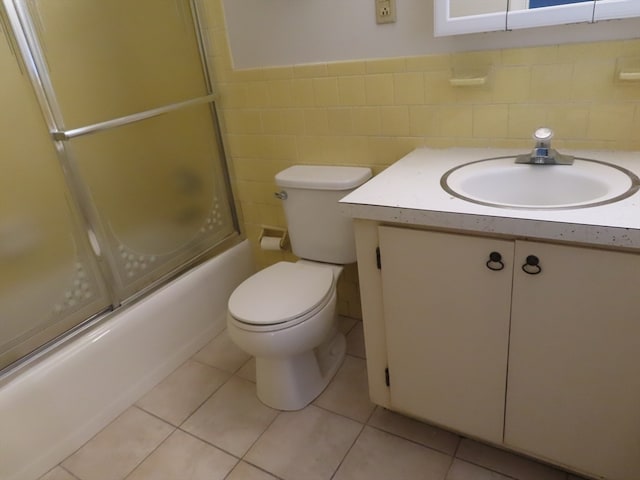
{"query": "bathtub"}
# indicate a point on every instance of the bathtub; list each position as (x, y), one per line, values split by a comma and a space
(55, 405)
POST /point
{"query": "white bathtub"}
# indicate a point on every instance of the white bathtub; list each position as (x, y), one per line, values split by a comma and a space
(53, 407)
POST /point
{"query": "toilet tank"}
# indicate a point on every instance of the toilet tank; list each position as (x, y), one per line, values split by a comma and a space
(317, 229)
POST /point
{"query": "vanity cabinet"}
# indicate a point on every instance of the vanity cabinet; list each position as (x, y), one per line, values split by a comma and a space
(573, 389)
(447, 322)
(542, 359)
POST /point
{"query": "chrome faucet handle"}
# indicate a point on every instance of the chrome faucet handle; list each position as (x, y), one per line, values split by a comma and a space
(543, 137)
(542, 153)
(543, 134)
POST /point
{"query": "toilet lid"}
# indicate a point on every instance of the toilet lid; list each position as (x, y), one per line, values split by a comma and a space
(280, 293)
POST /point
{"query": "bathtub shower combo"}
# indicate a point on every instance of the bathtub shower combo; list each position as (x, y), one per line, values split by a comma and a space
(113, 184)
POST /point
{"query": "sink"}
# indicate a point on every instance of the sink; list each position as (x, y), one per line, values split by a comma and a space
(500, 182)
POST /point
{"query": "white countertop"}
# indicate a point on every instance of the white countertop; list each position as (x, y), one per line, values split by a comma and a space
(409, 192)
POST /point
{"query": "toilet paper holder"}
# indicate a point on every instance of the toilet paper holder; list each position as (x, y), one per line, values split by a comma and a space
(274, 233)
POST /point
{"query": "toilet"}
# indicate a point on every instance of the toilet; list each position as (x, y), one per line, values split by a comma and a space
(285, 315)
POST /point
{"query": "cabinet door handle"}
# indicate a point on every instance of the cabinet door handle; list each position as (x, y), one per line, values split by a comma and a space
(532, 265)
(495, 262)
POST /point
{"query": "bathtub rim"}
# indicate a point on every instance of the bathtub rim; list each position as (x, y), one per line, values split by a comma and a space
(30, 359)
(34, 441)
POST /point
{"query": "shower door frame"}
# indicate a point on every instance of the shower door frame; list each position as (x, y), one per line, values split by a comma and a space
(23, 40)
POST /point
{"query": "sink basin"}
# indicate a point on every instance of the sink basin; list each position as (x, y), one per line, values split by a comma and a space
(499, 182)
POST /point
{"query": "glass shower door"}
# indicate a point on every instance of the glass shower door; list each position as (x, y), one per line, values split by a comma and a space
(135, 121)
(49, 279)
(112, 174)
(158, 186)
(105, 60)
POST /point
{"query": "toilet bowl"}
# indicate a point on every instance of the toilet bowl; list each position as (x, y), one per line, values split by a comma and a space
(285, 316)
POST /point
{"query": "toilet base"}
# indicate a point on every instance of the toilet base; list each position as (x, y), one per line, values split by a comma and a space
(292, 383)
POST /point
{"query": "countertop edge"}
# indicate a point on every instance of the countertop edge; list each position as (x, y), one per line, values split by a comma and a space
(601, 236)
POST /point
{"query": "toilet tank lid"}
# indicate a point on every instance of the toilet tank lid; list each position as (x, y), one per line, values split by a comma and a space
(324, 177)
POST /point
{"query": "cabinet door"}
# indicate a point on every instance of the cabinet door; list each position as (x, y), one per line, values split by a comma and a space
(574, 360)
(447, 322)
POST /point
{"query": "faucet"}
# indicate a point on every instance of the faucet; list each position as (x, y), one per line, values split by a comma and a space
(542, 153)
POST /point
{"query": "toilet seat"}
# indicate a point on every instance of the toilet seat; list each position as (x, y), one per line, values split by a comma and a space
(281, 296)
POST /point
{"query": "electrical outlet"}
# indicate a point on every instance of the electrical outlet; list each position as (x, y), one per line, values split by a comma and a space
(385, 11)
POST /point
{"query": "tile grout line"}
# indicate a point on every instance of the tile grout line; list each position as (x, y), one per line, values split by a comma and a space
(231, 375)
(262, 469)
(154, 415)
(207, 442)
(70, 473)
(209, 396)
(179, 427)
(280, 412)
(355, 440)
(232, 469)
(127, 475)
(492, 469)
(60, 464)
(410, 440)
(336, 413)
(451, 462)
(243, 457)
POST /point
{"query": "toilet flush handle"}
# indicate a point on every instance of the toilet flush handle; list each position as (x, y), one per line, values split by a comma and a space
(282, 195)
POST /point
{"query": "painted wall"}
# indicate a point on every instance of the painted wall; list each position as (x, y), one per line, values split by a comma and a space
(371, 112)
(286, 32)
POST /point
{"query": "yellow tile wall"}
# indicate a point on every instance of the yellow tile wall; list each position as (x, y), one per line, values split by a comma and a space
(372, 112)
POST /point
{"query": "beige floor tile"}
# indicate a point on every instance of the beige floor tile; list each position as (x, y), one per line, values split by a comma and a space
(184, 457)
(183, 391)
(415, 430)
(345, 324)
(233, 418)
(248, 370)
(461, 470)
(115, 451)
(348, 392)
(575, 477)
(378, 455)
(308, 444)
(506, 463)
(58, 473)
(244, 471)
(222, 353)
(355, 341)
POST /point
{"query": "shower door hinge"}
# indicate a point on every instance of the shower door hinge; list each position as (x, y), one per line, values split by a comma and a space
(387, 381)
(59, 136)
(378, 259)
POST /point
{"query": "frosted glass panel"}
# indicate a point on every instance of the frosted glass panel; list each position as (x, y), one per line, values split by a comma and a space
(48, 279)
(159, 189)
(108, 59)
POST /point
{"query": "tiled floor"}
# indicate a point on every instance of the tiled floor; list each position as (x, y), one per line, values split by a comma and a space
(204, 422)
